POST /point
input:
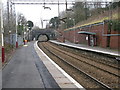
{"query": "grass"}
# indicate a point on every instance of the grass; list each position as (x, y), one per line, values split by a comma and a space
(9, 49)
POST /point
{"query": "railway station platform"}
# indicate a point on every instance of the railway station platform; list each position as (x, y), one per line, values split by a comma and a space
(105, 51)
(30, 68)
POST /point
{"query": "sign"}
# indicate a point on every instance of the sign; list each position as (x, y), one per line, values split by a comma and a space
(87, 38)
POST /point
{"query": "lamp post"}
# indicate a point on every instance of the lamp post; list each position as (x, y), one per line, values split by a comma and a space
(21, 28)
(74, 28)
(22, 25)
(16, 33)
(24, 34)
(2, 31)
(28, 33)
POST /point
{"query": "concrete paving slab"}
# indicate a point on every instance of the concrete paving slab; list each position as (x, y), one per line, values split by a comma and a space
(63, 80)
(66, 85)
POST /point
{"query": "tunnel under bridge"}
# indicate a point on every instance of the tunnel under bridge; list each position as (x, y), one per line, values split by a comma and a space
(34, 34)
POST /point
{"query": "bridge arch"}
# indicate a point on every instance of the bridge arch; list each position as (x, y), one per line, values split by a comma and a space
(50, 34)
(37, 37)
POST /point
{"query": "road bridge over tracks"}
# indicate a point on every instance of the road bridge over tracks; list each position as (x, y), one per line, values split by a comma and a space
(34, 34)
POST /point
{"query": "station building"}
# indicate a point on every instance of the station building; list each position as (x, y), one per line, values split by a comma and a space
(93, 34)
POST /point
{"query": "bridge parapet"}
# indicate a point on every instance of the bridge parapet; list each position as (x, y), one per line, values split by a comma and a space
(36, 33)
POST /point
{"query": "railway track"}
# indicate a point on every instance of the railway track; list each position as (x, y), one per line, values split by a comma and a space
(46, 45)
(91, 58)
(91, 64)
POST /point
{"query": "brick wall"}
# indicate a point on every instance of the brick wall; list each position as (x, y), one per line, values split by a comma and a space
(115, 40)
(102, 41)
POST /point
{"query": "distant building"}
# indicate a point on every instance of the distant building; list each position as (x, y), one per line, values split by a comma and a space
(94, 34)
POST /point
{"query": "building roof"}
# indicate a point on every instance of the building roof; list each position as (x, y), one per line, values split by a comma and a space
(88, 33)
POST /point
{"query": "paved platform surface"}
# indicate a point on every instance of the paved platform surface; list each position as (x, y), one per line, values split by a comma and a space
(31, 68)
(26, 70)
(89, 48)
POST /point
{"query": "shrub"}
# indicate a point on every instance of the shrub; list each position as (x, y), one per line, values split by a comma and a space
(114, 25)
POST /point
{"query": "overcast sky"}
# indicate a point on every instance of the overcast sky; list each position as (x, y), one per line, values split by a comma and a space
(36, 13)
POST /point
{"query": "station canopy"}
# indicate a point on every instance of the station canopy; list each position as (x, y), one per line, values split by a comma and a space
(85, 32)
